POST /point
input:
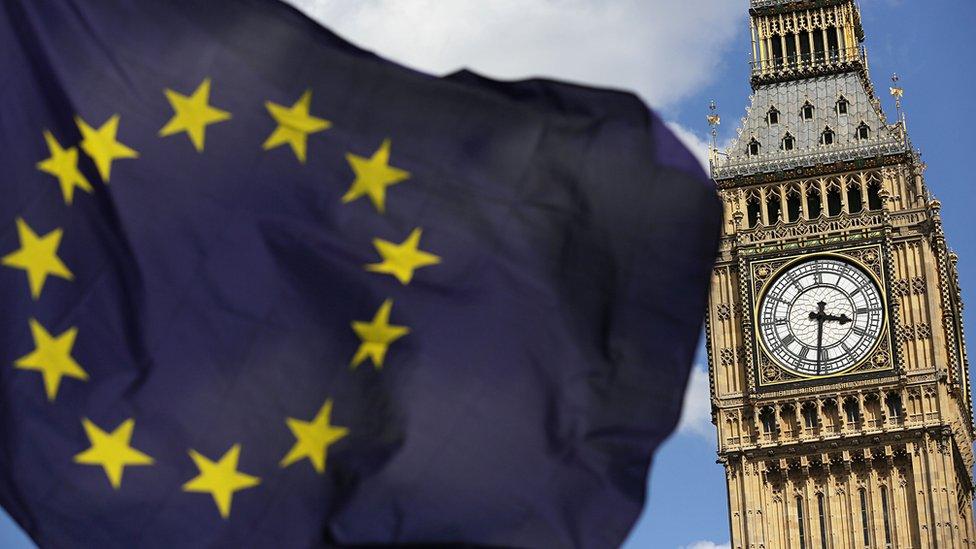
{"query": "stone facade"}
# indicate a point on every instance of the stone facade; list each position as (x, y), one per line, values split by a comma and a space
(879, 455)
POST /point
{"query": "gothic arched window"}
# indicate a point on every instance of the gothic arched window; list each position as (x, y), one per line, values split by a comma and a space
(772, 117)
(805, 56)
(863, 131)
(818, 45)
(791, 48)
(865, 529)
(814, 202)
(768, 419)
(794, 205)
(852, 410)
(827, 136)
(834, 204)
(789, 142)
(753, 211)
(753, 148)
(874, 195)
(842, 105)
(806, 112)
(894, 405)
(774, 206)
(833, 42)
(854, 202)
(777, 51)
(809, 412)
(799, 521)
(884, 516)
(823, 521)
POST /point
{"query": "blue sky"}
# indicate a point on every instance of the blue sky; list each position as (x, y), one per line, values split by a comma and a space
(679, 54)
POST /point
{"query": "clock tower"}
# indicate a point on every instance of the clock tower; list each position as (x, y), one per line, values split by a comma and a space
(838, 368)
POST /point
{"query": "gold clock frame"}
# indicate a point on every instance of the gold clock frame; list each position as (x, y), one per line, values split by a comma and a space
(848, 256)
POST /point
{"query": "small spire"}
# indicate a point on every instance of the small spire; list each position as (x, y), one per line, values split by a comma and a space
(897, 92)
(713, 121)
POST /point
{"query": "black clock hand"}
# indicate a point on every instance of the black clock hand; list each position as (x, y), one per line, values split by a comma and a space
(842, 319)
(820, 317)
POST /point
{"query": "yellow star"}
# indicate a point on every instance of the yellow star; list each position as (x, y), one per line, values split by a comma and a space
(220, 479)
(38, 256)
(111, 450)
(102, 146)
(192, 114)
(373, 176)
(52, 358)
(63, 164)
(400, 260)
(294, 125)
(313, 438)
(377, 336)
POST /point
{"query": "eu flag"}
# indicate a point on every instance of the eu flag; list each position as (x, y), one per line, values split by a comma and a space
(261, 288)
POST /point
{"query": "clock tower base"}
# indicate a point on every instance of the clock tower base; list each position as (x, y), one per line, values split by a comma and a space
(891, 490)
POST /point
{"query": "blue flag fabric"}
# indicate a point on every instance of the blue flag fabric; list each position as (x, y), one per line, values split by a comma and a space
(261, 288)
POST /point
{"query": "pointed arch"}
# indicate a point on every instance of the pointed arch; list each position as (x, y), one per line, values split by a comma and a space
(788, 143)
(835, 204)
(814, 198)
(874, 191)
(774, 205)
(842, 106)
(827, 136)
(794, 203)
(863, 131)
(806, 111)
(753, 208)
(855, 202)
(753, 147)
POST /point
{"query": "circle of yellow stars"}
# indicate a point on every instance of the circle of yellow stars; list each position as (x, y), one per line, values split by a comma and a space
(37, 256)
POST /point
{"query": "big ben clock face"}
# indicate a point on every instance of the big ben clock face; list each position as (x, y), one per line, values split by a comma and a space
(820, 317)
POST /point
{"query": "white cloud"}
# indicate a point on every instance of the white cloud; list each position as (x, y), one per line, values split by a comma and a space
(697, 145)
(707, 545)
(696, 416)
(663, 50)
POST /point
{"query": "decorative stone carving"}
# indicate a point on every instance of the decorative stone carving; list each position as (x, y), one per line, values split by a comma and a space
(918, 285)
(771, 373)
(900, 287)
(723, 312)
(727, 356)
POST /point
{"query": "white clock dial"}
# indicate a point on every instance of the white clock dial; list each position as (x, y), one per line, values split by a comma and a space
(820, 317)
